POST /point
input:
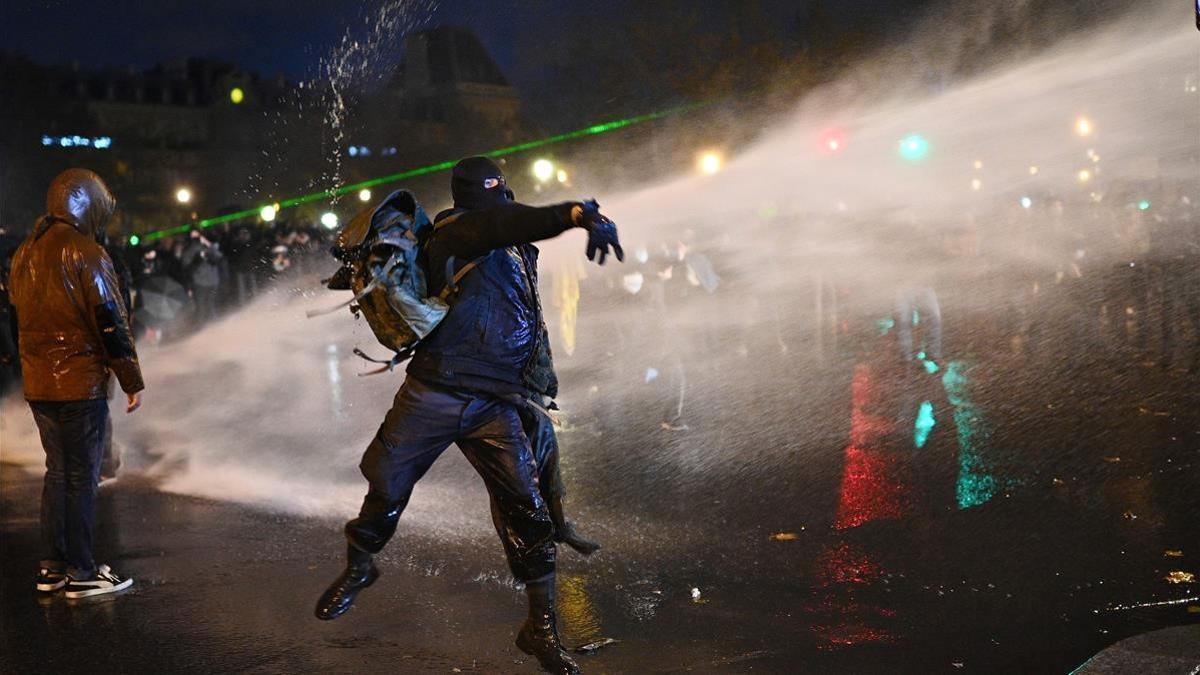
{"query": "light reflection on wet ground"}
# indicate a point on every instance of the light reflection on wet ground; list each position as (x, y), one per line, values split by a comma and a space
(983, 514)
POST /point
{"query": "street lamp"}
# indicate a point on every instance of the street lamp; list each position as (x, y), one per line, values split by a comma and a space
(709, 163)
(364, 195)
(329, 220)
(543, 170)
(832, 141)
(183, 195)
(1083, 127)
(914, 147)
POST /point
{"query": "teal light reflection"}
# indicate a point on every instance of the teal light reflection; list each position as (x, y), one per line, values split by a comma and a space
(976, 482)
(924, 425)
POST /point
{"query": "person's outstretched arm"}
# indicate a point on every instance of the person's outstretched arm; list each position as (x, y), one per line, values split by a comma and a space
(473, 233)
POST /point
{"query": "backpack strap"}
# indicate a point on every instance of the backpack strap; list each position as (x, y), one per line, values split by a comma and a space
(376, 282)
(389, 365)
(453, 278)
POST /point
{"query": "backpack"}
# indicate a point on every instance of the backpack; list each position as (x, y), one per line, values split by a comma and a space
(379, 250)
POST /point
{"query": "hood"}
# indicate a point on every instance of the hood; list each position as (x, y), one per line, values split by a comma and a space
(79, 197)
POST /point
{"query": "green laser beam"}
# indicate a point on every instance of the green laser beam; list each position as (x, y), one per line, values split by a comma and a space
(593, 130)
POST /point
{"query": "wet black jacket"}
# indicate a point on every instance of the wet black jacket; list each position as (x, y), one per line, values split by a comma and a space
(494, 338)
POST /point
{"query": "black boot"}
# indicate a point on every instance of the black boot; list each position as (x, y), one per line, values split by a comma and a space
(564, 530)
(539, 635)
(360, 572)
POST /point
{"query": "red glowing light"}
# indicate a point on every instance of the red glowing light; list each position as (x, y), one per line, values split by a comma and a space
(832, 141)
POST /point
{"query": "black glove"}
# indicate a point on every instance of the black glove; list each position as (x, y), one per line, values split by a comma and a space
(602, 232)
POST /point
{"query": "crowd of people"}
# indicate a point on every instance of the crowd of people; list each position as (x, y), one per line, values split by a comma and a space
(177, 284)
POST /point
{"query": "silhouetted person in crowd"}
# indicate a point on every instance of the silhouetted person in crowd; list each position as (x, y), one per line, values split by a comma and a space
(10, 362)
(202, 260)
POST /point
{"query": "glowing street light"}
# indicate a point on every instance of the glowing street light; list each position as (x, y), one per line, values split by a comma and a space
(236, 95)
(1026, 203)
(976, 184)
(1033, 171)
(543, 170)
(832, 141)
(330, 220)
(561, 176)
(1083, 127)
(914, 147)
(183, 195)
(267, 213)
(1084, 175)
(709, 163)
(364, 195)
(978, 164)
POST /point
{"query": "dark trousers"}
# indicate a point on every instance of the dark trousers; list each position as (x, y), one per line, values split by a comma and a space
(539, 429)
(73, 437)
(206, 302)
(422, 423)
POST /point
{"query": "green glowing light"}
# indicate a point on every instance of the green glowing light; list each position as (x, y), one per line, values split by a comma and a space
(424, 170)
(1143, 205)
(924, 425)
(914, 148)
(885, 325)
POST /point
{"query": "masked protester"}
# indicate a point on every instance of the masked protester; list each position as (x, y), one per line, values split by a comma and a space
(73, 329)
(480, 380)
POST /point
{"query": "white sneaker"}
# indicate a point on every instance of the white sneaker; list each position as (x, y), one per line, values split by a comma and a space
(105, 581)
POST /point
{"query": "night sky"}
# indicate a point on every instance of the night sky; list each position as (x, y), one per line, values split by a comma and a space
(265, 36)
(291, 36)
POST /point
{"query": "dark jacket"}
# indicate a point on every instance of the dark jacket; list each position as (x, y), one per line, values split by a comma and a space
(72, 323)
(493, 339)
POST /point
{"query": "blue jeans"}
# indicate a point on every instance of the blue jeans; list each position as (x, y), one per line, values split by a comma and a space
(422, 423)
(73, 437)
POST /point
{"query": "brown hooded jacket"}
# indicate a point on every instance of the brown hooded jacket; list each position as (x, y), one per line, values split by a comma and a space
(72, 324)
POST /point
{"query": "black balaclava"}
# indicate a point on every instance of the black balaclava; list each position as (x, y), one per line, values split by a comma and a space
(467, 184)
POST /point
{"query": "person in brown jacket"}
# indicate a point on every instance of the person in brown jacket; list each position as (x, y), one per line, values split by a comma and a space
(72, 330)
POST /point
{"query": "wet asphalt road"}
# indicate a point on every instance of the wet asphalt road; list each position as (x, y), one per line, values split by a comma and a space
(1003, 515)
